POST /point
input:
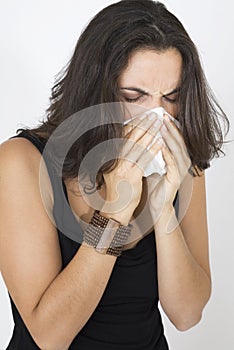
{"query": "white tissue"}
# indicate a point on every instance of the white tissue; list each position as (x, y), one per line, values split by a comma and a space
(157, 165)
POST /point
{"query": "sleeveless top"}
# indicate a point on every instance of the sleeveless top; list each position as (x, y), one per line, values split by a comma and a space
(127, 316)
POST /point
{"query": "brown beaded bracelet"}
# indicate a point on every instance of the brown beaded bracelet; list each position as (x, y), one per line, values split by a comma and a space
(106, 235)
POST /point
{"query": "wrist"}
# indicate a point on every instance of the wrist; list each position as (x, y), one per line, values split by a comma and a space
(107, 235)
(167, 221)
(121, 217)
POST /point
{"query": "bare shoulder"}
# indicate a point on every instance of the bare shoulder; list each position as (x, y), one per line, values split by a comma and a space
(20, 157)
(14, 150)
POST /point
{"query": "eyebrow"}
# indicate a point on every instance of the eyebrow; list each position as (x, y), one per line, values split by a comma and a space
(143, 92)
(172, 92)
(135, 89)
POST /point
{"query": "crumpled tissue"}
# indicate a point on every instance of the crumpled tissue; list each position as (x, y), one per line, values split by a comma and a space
(157, 165)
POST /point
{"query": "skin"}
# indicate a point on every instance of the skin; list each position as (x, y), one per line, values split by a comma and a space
(57, 303)
(183, 259)
(158, 74)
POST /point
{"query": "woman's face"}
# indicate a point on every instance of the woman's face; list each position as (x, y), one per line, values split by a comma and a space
(152, 79)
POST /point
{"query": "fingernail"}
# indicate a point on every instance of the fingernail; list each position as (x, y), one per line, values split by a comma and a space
(167, 118)
(151, 116)
(157, 123)
(159, 141)
(142, 116)
(164, 128)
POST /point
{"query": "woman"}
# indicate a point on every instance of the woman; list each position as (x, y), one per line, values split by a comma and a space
(70, 295)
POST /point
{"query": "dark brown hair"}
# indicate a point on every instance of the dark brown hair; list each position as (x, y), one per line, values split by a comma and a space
(101, 54)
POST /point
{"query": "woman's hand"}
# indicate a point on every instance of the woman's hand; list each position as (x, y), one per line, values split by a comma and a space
(162, 190)
(124, 183)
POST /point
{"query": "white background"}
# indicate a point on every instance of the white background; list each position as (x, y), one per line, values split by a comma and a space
(38, 38)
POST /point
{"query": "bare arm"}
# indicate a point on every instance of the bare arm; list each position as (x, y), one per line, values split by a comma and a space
(54, 304)
(183, 261)
(71, 298)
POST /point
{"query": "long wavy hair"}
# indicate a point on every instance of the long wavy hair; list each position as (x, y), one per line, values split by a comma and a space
(91, 78)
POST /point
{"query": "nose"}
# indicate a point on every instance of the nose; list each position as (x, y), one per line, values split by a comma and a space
(155, 100)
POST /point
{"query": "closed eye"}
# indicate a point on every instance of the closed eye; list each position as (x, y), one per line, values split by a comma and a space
(174, 93)
(171, 100)
(132, 100)
(143, 94)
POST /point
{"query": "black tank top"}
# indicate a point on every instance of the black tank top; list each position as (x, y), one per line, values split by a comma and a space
(127, 316)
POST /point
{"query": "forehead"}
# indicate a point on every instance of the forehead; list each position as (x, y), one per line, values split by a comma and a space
(153, 70)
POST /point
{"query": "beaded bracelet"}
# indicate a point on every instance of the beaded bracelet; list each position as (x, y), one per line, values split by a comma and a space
(106, 235)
